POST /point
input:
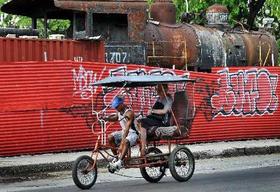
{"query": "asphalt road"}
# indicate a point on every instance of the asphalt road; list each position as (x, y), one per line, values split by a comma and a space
(255, 180)
(243, 173)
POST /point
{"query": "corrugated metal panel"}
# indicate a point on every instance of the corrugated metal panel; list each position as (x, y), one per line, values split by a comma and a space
(47, 106)
(221, 91)
(18, 49)
(32, 85)
(42, 131)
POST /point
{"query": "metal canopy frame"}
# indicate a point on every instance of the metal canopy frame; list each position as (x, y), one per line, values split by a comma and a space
(141, 81)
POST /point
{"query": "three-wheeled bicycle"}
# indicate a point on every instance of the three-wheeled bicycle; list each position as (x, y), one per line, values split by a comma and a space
(153, 165)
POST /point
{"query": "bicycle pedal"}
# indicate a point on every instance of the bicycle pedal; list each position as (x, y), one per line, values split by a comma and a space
(111, 169)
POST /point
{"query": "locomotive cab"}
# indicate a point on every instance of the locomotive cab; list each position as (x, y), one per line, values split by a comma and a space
(120, 24)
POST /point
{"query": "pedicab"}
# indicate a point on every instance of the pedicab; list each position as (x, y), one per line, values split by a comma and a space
(153, 165)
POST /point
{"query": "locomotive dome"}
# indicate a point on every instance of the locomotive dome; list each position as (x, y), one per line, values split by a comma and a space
(217, 14)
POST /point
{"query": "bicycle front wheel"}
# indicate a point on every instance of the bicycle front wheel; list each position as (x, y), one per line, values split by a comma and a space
(83, 173)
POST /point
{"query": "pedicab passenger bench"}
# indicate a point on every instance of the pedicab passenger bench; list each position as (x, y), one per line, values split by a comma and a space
(180, 122)
(179, 160)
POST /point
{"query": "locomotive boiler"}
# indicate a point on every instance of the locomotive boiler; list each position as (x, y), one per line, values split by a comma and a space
(133, 32)
(203, 47)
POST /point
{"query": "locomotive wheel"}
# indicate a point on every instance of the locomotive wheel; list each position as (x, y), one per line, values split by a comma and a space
(83, 174)
(153, 174)
(181, 164)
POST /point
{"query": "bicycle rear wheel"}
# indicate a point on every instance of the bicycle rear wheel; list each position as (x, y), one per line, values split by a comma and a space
(181, 164)
(153, 174)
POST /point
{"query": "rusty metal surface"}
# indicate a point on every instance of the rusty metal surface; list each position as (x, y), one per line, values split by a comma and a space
(183, 45)
(170, 45)
(134, 12)
(189, 45)
(235, 50)
(222, 49)
(211, 50)
(20, 49)
(163, 11)
(136, 26)
(259, 49)
(217, 8)
(103, 6)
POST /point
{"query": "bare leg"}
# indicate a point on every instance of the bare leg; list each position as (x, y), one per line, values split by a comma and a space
(139, 129)
(122, 152)
(112, 143)
(124, 149)
(143, 136)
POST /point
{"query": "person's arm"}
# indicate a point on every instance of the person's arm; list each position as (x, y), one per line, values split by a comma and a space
(111, 117)
(167, 107)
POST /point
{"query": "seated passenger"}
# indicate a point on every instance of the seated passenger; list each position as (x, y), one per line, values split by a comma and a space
(125, 138)
(158, 116)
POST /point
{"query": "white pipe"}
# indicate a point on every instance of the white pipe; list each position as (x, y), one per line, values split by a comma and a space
(272, 59)
(187, 6)
(45, 56)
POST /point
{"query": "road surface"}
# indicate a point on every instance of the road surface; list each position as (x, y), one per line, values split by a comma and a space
(238, 174)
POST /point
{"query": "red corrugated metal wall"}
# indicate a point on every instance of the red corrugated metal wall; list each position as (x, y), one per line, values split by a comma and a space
(237, 103)
(19, 49)
(47, 106)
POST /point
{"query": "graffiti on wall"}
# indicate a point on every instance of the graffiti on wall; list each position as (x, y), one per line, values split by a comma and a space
(242, 93)
(205, 89)
(246, 92)
(83, 80)
(141, 98)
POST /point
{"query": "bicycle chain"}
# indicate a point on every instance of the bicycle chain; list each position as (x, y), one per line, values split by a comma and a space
(127, 176)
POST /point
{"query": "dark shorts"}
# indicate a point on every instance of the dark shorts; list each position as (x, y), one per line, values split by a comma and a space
(147, 123)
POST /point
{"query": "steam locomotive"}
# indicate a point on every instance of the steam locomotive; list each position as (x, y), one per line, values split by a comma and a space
(133, 32)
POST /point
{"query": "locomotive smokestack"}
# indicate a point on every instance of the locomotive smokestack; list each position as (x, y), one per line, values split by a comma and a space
(164, 11)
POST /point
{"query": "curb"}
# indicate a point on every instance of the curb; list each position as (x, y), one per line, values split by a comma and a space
(24, 170)
(235, 152)
(34, 168)
(29, 170)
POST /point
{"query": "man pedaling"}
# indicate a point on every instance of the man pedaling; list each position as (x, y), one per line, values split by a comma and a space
(125, 138)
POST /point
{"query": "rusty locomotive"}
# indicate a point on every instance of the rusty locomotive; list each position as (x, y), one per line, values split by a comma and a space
(133, 32)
